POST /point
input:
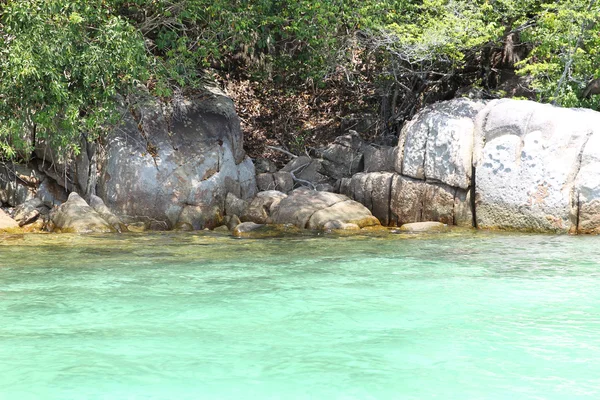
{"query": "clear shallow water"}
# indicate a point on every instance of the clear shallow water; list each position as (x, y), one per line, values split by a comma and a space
(469, 316)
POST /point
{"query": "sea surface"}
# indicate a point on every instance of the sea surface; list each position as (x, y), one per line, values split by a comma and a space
(468, 315)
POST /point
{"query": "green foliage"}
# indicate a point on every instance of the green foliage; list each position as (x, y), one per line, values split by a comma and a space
(61, 64)
(565, 42)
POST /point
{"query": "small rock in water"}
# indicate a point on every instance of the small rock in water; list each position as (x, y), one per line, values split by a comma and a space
(428, 226)
(221, 229)
(246, 227)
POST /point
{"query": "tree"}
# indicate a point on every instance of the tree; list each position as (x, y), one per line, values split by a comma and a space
(61, 64)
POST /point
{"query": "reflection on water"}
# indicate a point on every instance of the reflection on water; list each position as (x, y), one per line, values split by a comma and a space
(466, 315)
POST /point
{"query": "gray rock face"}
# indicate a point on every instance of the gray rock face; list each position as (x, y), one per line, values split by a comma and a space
(339, 225)
(281, 181)
(17, 183)
(396, 199)
(178, 169)
(438, 143)
(312, 209)
(373, 190)
(586, 193)
(528, 159)
(306, 170)
(29, 211)
(51, 193)
(379, 158)
(263, 165)
(417, 201)
(98, 205)
(234, 205)
(537, 168)
(344, 157)
(76, 216)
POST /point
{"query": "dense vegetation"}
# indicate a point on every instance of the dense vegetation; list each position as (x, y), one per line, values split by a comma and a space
(62, 62)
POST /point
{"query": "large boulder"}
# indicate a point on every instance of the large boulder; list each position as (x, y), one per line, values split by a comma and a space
(527, 158)
(313, 210)
(98, 205)
(373, 190)
(413, 200)
(438, 143)
(260, 208)
(503, 164)
(396, 199)
(171, 166)
(76, 216)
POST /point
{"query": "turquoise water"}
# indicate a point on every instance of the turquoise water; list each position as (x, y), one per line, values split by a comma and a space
(184, 316)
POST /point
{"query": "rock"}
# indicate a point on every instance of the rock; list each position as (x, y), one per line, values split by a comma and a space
(379, 158)
(179, 171)
(201, 217)
(98, 205)
(343, 158)
(585, 210)
(7, 224)
(260, 207)
(246, 227)
(38, 226)
(263, 165)
(281, 181)
(72, 174)
(324, 187)
(463, 214)
(51, 193)
(339, 225)
(284, 182)
(438, 143)
(76, 216)
(232, 222)
(373, 190)
(265, 181)
(428, 226)
(234, 205)
(527, 158)
(417, 201)
(17, 183)
(348, 211)
(306, 169)
(221, 229)
(311, 209)
(28, 212)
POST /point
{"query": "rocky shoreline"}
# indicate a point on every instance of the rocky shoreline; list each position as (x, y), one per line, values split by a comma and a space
(502, 164)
